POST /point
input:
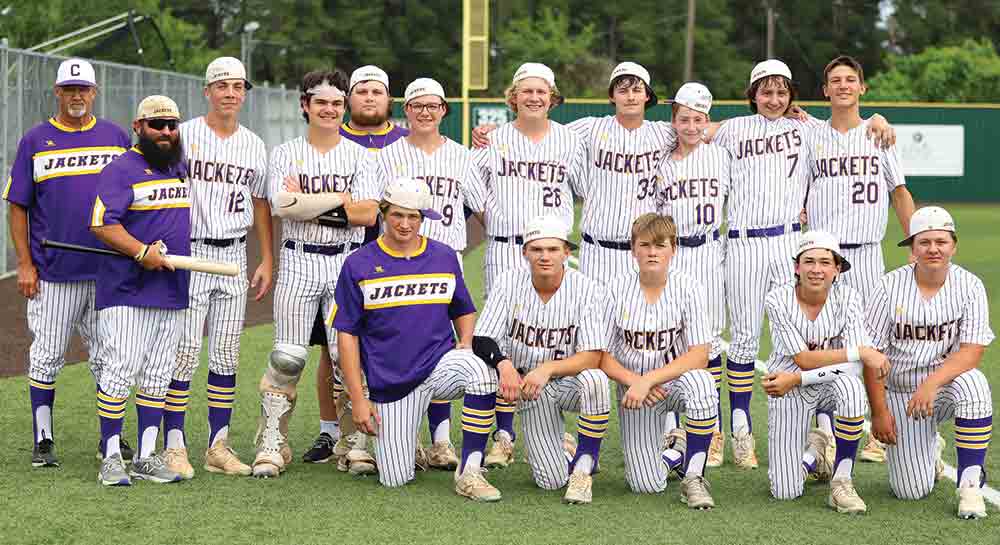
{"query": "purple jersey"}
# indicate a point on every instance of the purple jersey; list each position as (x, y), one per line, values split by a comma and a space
(150, 205)
(54, 177)
(376, 140)
(401, 311)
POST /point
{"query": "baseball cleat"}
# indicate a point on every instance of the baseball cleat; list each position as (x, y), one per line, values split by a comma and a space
(501, 453)
(819, 440)
(321, 451)
(744, 456)
(222, 459)
(127, 452)
(473, 485)
(360, 462)
(421, 460)
(569, 445)
(716, 450)
(874, 451)
(939, 445)
(675, 439)
(113, 472)
(580, 489)
(177, 461)
(970, 502)
(153, 468)
(266, 470)
(44, 454)
(442, 455)
(695, 492)
(844, 498)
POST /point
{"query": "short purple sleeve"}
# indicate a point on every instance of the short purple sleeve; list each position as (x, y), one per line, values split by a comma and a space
(114, 196)
(21, 184)
(348, 307)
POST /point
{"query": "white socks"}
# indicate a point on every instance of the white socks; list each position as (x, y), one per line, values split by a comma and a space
(740, 422)
(584, 465)
(442, 433)
(330, 427)
(175, 439)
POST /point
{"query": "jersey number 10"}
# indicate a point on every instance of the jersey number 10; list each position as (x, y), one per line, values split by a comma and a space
(704, 214)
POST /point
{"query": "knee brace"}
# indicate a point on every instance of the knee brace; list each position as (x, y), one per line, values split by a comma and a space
(284, 369)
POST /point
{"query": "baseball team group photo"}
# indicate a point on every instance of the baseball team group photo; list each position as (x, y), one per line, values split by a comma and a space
(653, 316)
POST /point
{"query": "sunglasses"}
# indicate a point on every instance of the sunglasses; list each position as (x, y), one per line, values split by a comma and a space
(160, 124)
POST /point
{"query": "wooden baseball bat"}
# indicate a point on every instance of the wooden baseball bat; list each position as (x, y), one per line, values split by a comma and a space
(176, 261)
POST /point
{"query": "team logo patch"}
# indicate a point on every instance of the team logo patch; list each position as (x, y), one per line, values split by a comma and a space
(604, 136)
(379, 269)
(148, 171)
(49, 143)
(899, 311)
(193, 148)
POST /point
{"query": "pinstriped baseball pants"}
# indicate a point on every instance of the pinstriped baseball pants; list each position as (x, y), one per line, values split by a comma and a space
(52, 314)
(138, 348)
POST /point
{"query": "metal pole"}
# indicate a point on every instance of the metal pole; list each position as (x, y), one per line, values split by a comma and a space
(770, 31)
(689, 45)
(466, 30)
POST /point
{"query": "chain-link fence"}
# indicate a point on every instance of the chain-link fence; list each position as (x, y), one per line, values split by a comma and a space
(27, 98)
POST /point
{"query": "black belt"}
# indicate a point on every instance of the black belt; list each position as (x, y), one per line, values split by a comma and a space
(517, 239)
(220, 242)
(694, 242)
(850, 246)
(319, 249)
(609, 244)
(775, 231)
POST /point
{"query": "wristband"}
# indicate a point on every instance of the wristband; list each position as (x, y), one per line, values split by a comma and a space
(853, 353)
(829, 373)
(142, 253)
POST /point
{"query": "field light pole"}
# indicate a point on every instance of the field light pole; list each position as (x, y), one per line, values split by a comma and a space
(689, 44)
(247, 45)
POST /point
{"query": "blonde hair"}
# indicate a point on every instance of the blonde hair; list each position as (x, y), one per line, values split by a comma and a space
(555, 97)
(655, 227)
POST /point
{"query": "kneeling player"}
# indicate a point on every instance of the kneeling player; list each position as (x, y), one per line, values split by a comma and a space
(932, 320)
(658, 356)
(396, 301)
(546, 330)
(819, 336)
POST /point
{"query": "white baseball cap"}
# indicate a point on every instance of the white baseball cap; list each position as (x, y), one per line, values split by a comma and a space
(157, 106)
(770, 67)
(226, 68)
(535, 70)
(822, 240)
(928, 218)
(423, 87)
(369, 72)
(630, 69)
(76, 72)
(695, 96)
(548, 227)
(413, 194)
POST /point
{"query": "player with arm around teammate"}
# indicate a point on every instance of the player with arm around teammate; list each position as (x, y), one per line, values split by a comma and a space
(545, 330)
(313, 186)
(692, 186)
(821, 346)
(397, 301)
(657, 354)
(141, 209)
(50, 194)
(227, 170)
(931, 318)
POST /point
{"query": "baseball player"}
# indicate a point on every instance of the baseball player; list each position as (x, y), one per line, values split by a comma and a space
(313, 187)
(771, 158)
(227, 173)
(397, 301)
(657, 354)
(545, 329)
(370, 105)
(931, 318)
(50, 192)
(448, 170)
(821, 345)
(851, 184)
(692, 186)
(528, 170)
(142, 208)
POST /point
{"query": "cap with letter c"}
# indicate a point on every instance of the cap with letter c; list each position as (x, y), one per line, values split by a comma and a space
(224, 68)
(157, 106)
(813, 240)
(695, 96)
(413, 194)
(535, 70)
(770, 67)
(76, 72)
(548, 227)
(369, 72)
(928, 218)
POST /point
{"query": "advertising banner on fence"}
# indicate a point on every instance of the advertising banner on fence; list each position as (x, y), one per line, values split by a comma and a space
(931, 150)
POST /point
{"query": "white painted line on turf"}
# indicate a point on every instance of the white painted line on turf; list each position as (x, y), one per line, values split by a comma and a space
(950, 472)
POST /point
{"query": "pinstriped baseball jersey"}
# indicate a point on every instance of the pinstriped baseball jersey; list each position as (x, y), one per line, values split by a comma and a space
(918, 334)
(336, 171)
(530, 332)
(645, 336)
(618, 185)
(850, 180)
(522, 180)
(224, 175)
(769, 171)
(449, 172)
(693, 190)
(840, 324)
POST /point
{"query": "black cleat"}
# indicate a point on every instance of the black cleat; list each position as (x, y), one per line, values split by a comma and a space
(321, 451)
(44, 454)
